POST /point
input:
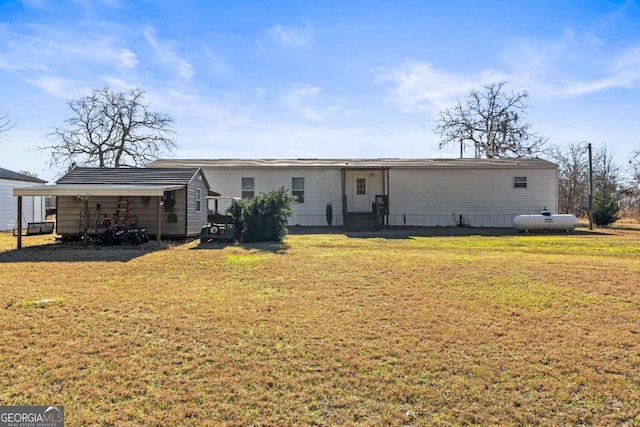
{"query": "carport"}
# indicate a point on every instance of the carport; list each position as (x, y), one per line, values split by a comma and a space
(85, 192)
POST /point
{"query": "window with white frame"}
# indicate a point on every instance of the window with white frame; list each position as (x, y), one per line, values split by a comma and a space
(361, 186)
(297, 189)
(247, 188)
(519, 182)
(198, 199)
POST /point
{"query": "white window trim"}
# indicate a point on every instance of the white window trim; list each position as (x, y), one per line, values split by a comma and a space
(520, 182)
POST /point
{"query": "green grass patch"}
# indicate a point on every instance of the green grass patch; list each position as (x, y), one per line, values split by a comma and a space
(325, 329)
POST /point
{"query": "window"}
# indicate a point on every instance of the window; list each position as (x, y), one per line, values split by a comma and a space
(520, 182)
(297, 189)
(198, 199)
(247, 188)
(169, 200)
(361, 186)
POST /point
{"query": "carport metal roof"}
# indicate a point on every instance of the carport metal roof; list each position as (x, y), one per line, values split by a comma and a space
(88, 190)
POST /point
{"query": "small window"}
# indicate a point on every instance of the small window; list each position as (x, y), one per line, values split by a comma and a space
(198, 199)
(520, 182)
(247, 188)
(297, 189)
(361, 186)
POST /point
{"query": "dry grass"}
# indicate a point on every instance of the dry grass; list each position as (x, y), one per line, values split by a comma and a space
(397, 329)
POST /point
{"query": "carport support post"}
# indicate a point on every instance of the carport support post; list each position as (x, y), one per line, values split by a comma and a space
(19, 222)
(158, 218)
(85, 234)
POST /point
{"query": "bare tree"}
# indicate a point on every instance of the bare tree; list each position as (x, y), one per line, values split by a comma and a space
(111, 129)
(491, 123)
(606, 172)
(606, 194)
(573, 177)
(5, 125)
(631, 191)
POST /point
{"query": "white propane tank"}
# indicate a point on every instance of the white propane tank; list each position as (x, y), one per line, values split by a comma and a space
(545, 221)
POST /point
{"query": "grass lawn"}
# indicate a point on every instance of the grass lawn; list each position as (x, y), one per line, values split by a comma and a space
(327, 329)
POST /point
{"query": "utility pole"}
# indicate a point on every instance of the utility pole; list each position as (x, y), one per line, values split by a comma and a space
(590, 201)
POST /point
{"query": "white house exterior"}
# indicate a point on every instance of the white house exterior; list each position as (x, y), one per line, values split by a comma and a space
(416, 192)
(33, 207)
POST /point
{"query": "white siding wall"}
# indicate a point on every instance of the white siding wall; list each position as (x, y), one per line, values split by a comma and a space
(485, 197)
(418, 197)
(33, 209)
(321, 186)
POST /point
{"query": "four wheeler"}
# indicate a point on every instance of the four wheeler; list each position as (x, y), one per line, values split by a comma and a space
(118, 234)
(112, 230)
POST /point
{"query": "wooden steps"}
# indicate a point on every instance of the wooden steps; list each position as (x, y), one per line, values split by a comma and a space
(361, 221)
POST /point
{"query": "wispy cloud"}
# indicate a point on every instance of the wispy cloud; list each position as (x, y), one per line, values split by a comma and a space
(38, 51)
(572, 65)
(60, 87)
(418, 86)
(291, 36)
(307, 101)
(569, 66)
(165, 51)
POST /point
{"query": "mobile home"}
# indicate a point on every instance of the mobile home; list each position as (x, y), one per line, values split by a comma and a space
(402, 192)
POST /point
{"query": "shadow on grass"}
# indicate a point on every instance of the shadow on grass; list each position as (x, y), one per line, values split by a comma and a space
(271, 247)
(413, 232)
(402, 232)
(75, 252)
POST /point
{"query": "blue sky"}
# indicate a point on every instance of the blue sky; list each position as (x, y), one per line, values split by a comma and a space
(288, 79)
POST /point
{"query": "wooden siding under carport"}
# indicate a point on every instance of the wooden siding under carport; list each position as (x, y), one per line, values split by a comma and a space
(87, 192)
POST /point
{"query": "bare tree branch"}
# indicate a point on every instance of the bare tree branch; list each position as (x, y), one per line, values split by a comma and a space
(110, 129)
(491, 123)
(573, 177)
(5, 125)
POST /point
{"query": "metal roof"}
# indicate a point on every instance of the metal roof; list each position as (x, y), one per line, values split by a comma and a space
(86, 190)
(356, 163)
(17, 176)
(85, 182)
(130, 176)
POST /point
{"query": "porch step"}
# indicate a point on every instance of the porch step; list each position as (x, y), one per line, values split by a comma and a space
(361, 221)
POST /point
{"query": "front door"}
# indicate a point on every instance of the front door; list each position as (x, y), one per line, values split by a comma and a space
(361, 193)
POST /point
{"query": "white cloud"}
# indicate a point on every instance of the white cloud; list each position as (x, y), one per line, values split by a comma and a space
(60, 87)
(307, 101)
(572, 65)
(165, 50)
(41, 49)
(291, 36)
(418, 86)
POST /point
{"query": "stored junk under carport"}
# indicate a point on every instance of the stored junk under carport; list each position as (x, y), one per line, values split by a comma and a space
(168, 202)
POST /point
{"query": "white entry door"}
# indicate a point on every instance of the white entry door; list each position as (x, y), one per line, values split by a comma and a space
(361, 194)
